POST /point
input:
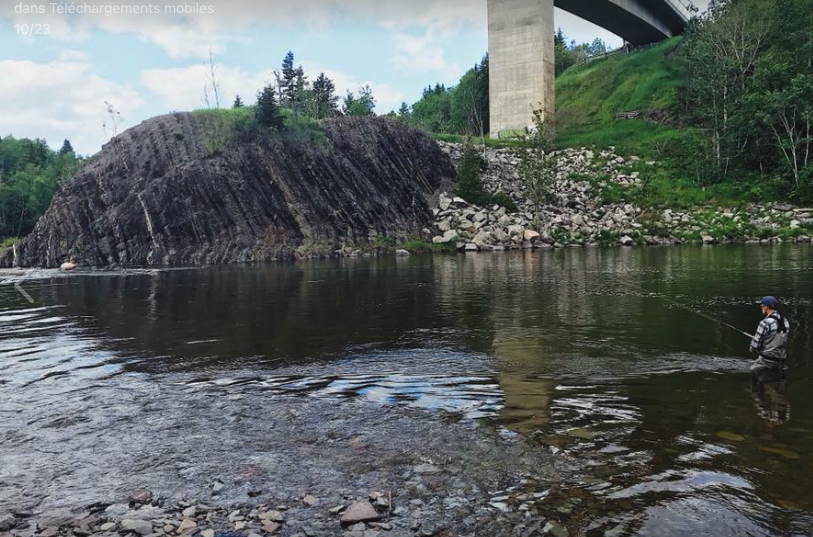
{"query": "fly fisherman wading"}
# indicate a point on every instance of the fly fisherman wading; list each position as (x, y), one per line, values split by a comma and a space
(771, 338)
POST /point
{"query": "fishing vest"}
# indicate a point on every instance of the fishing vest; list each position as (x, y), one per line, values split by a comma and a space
(774, 342)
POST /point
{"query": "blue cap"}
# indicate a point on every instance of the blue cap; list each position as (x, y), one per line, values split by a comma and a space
(769, 301)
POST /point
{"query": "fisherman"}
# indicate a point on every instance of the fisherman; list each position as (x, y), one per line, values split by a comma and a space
(771, 339)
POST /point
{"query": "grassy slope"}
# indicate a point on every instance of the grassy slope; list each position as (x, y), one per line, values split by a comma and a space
(589, 96)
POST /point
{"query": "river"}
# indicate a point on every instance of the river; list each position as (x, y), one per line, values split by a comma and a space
(172, 378)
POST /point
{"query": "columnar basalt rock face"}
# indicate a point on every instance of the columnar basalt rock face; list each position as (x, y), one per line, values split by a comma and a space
(159, 195)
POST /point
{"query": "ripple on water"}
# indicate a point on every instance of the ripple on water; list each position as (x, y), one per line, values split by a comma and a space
(38, 346)
(427, 379)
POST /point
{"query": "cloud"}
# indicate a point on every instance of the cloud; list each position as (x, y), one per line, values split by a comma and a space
(63, 99)
(68, 55)
(424, 52)
(192, 35)
(387, 97)
(181, 88)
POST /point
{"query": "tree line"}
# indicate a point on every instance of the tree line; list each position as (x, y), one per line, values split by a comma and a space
(30, 173)
(292, 89)
(749, 89)
(464, 108)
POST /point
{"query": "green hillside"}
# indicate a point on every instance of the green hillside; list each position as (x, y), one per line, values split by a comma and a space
(588, 97)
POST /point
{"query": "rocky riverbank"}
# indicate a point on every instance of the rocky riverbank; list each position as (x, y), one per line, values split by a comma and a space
(317, 469)
(583, 212)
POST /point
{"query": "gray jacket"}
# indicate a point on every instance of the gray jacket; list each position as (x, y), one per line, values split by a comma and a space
(771, 342)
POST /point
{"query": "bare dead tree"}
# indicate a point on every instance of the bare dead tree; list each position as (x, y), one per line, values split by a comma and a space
(115, 119)
(215, 84)
(793, 138)
(206, 95)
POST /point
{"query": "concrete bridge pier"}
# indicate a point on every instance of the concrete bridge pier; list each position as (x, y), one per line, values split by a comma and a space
(521, 63)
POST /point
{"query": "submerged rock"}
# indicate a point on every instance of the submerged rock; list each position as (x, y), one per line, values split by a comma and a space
(734, 437)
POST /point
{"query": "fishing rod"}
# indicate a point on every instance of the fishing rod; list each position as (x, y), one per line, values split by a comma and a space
(705, 316)
(709, 317)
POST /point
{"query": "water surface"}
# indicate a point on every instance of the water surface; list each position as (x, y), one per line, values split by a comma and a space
(573, 350)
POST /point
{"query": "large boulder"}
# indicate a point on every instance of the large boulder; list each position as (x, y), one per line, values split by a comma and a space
(182, 189)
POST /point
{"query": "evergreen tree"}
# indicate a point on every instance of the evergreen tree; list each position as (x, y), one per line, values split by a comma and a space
(404, 112)
(287, 80)
(469, 185)
(267, 111)
(238, 102)
(367, 100)
(463, 109)
(66, 147)
(562, 56)
(363, 105)
(325, 99)
(300, 93)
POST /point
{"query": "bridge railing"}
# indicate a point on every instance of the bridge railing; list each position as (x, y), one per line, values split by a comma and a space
(626, 49)
(685, 8)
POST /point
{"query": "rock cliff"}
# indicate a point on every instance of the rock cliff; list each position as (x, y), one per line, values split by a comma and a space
(161, 195)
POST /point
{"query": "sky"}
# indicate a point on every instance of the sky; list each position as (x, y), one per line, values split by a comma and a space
(57, 85)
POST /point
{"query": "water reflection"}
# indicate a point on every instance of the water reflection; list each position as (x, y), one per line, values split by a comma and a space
(572, 349)
(769, 389)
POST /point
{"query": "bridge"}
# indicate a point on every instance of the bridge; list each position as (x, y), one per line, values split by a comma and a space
(520, 46)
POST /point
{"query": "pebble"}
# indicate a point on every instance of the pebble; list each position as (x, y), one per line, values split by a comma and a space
(426, 469)
(207, 533)
(117, 510)
(554, 528)
(187, 525)
(7, 522)
(360, 512)
(140, 496)
(141, 527)
(270, 527)
(274, 516)
(56, 518)
(190, 512)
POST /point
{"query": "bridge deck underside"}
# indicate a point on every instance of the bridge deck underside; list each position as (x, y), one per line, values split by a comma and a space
(520, 35)
(637, 21)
